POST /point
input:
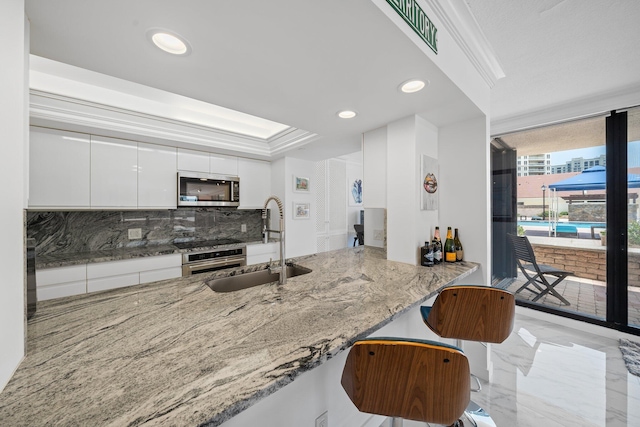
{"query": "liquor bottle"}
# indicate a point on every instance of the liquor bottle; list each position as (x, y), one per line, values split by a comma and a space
(437, 247)
(426, 255)
(458, 246)
(449, 247)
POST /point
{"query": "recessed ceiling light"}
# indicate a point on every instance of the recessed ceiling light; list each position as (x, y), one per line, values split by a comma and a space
(412, 86)
(169, 41)
(347, 114)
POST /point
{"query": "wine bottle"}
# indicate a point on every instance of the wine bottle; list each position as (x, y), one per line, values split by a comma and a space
(449, 247)
(426, 255)
(437, 246)
(458, 246)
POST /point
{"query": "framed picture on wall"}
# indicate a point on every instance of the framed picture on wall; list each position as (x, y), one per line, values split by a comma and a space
(429, 184)
(354, 191)
(300, 184)
(301, 210)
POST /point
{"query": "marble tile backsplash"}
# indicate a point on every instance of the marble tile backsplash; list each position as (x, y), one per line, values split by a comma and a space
(86, 231)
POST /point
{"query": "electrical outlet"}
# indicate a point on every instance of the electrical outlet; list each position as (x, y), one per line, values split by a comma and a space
(323, 420)
(243, 228)
(378, 235)
(135, 233)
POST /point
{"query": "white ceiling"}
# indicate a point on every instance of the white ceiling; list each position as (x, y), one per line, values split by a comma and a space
(292, 62)
(299, 62)
(559, 52)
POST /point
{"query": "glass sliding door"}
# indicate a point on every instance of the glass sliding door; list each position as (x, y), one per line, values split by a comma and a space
(561, 209)
(633, 217)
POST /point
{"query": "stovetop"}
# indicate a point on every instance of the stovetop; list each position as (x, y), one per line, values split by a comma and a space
(205, 243)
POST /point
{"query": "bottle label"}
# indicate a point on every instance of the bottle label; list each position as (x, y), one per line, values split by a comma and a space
(459, 255)
(450, 257)
(437, 255)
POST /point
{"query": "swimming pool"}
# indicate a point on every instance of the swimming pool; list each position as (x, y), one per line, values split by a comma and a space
(577, 224)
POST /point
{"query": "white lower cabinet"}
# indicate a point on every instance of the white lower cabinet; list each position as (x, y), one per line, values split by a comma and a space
(116, 274)
(61, 282)
(101, 276)
(263, 252)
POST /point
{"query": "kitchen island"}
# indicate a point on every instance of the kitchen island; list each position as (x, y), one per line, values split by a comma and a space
(177, 353)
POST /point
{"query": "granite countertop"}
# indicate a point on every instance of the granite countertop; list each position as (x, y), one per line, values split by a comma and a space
(67, 259)
(177, 353)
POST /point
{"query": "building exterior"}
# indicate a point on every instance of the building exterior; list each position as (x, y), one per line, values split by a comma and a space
(578, 164)
(535, 164)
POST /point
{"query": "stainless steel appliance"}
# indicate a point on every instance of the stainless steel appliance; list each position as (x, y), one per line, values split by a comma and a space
(31, 278)
(204, 189)
(206, 260)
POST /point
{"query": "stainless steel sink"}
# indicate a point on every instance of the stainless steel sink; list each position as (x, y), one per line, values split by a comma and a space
(255, 278)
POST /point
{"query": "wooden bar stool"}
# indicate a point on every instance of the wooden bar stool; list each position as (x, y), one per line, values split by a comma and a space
(473, 313)
(409, 379)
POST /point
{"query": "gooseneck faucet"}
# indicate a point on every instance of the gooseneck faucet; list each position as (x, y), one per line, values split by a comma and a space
(282, 268)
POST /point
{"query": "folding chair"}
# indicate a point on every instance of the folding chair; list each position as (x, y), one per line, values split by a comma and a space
(535, 273)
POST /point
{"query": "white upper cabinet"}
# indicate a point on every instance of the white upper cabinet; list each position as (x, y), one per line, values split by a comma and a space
(157, 177)
(255, 182)
(192, 160)
(114, 173)
(59, 169)
(223, 165)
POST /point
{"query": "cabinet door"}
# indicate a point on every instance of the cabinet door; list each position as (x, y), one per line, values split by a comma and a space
(114, 173)
(192, 160)
(59, 168)
(255, 182)
(223, 165)
(157, 176)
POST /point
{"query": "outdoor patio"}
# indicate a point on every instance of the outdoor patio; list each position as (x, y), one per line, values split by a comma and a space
(586, 296)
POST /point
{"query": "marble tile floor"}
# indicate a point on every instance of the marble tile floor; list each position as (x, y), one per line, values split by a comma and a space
(559, 374)
(586, 296)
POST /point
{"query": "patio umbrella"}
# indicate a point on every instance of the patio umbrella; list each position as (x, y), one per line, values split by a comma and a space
(594, 178)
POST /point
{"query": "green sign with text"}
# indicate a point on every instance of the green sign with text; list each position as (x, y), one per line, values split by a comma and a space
(413, 14)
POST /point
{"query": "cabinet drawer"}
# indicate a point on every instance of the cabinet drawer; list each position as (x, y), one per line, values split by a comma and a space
(61, 290)
(104, 283)
(164, 274)
(54, 276)
(128, 266)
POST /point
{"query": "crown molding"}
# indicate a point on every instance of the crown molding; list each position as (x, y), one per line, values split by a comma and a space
(75, 114)
(460, 23)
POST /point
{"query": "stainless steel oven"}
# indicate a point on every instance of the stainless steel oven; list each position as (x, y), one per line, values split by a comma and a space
(212, 260)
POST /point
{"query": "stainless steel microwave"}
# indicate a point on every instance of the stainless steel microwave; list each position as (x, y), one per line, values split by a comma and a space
(205, 189)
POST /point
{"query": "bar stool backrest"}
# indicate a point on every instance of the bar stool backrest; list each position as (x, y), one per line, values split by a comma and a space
(474, 313)
(410, 379)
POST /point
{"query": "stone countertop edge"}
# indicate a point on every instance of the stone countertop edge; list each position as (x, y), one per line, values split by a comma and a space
(176, 353)
(66, 259)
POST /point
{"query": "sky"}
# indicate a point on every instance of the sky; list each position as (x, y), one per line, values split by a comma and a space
(561, 157)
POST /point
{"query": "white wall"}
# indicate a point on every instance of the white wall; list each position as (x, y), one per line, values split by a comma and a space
(374, 152)
(354, 170)
(301, 233)
(402, 181)
(374, 189)
(464, 200)
(426, 144)
(13, 85)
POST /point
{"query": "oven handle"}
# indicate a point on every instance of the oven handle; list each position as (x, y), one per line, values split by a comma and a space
(229, 262)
